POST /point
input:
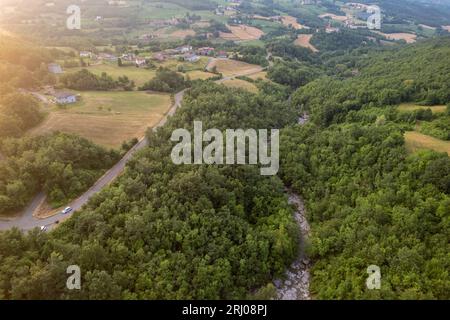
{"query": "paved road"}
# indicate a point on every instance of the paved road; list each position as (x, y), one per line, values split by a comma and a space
(26, 220)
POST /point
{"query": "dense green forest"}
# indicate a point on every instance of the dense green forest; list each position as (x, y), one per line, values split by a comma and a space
(61, 165)
(419, 73)
(368, 202)
(165, 231)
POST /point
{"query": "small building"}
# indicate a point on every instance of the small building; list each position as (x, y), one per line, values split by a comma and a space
(85, 54)
(184, 49)
(191, 58)
(140, 62)
(128, 57)
(159, 57)
(55, 68)
(205, 51)
(222, 54)
(107, 56)
(65, 97)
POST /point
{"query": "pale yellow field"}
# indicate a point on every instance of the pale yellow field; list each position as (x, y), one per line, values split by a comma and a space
(108, 118)
(241, 84)
(199, 75)
(303, 40)
(230, 67)
(334, 17)
(288, 20)
(408, 37)
(182, 33)
(408, 107)
(417, 141)
(260, 75)
(139, 75)
(244, 32)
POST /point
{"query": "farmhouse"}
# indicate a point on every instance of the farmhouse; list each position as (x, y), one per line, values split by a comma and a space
(85, 54)
(205, 51)
(191, 57)
(65, 97)
(55, 68)
(140, 62)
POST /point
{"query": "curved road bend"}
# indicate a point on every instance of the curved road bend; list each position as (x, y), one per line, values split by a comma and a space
(27, 221)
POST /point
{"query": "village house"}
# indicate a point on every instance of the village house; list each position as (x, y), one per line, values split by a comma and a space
(128, 57)
(191, 57)
(140, 62)
(205, 51)
(184, 49)
(107, 56)
(222, 54)
(65, 97)
(159, 57)
(85, 54)
(55, 68)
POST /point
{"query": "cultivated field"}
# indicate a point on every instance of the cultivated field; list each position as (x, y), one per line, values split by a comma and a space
(230, 67)
(288, 20)
(241, 84)
(108, 118)
(243, 33)
(199, 75)
(304, 40)
(139, 75)
(408, 37)
(260, 75)
(333, 17)
(408, 107)
(417, 141)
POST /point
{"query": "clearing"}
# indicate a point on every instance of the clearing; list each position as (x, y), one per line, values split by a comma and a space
(139, 75)
(230, 67)
(199, 75)
(259, 76)
(408, 107)
(241, 84)
(408, 37)
(292, 21)
(242, 32)
(107, 118)
(417, 141)
(333, 17)
(304, 40)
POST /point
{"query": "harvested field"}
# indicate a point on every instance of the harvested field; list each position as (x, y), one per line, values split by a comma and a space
(243, 33)
(241, 84)
(304, 40)
(408, 37)
(288, 20)
(107, 118)
(230, 67)
(416, 141)
(333, 17)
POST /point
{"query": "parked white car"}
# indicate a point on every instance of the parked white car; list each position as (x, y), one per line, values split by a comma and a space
(66, 210)
(43, 228)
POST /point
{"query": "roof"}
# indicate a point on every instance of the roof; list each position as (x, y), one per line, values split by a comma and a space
(64, 94)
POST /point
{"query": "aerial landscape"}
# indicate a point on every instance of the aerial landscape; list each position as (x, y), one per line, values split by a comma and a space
(224, 150)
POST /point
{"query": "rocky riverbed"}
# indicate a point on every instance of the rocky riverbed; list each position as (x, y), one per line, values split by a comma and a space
(296, 283)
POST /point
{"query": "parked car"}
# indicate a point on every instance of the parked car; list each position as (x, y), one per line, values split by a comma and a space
(66, 210)
(43, 228)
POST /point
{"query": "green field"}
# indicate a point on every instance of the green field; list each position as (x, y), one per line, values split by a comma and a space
(107, 118)
(409, 107)
(416, 141)
(139, 75)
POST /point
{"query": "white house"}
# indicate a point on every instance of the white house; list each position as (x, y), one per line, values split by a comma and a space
(65, 97)
(85, 54)
(191, 58)
(55, 68)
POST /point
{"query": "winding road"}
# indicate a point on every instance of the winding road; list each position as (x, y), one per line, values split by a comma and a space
(26, 221)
